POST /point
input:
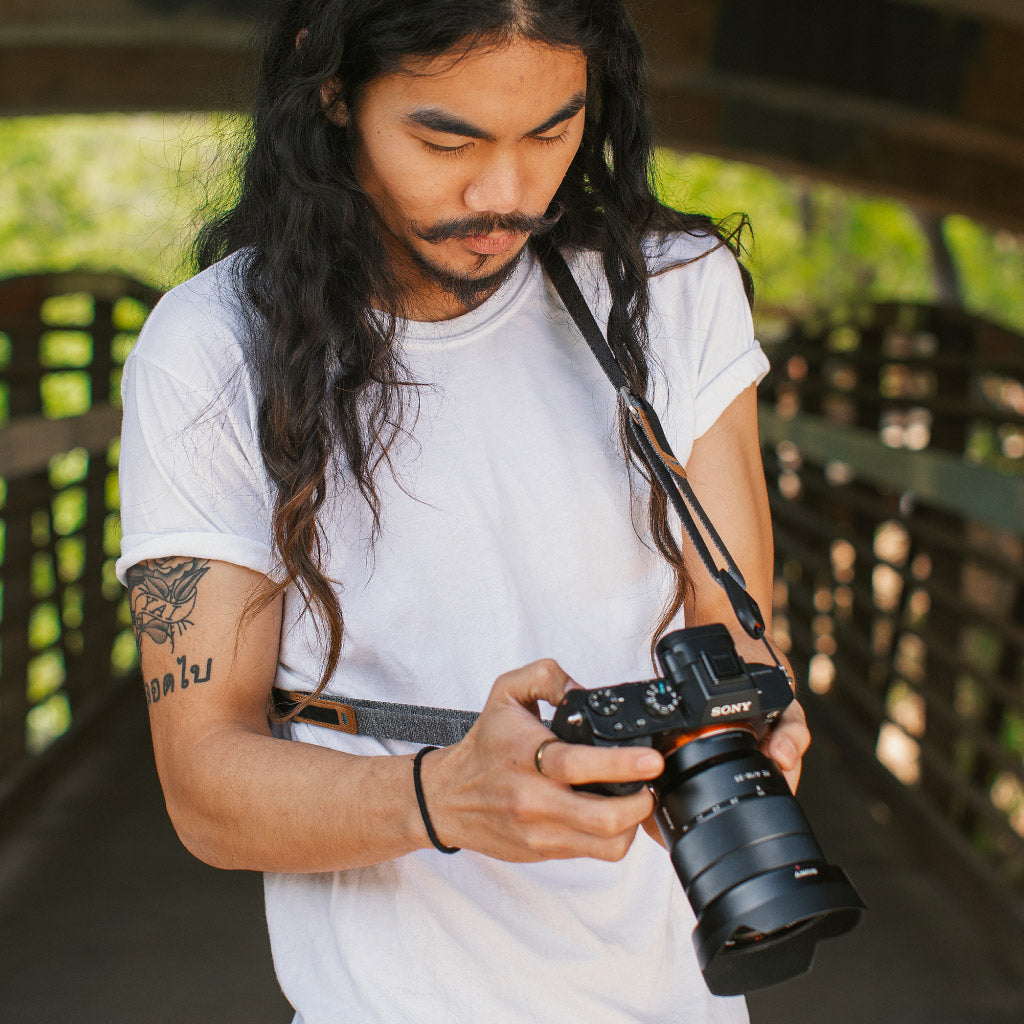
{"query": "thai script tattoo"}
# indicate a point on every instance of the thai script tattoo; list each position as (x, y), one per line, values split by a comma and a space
(157, 688)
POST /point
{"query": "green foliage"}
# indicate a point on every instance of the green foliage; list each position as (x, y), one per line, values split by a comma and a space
(124, 655)
(65, 394)
(991, 266)
(43, 626)
(65, 348)
(108, 192)
(69, 511)
(46, 721)
(68, 468)
(76, 310)
(818, 247)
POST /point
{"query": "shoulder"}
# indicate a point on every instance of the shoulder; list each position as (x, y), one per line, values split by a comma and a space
(676, 260)
(196, 327)
(691, 260)
(694, 281)
(695, 278)
(190, 356)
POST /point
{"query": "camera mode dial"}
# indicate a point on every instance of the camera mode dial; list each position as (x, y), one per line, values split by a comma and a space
(605, 701)
(660, 698)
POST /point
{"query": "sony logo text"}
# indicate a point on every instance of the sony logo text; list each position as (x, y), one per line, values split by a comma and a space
(731, 709)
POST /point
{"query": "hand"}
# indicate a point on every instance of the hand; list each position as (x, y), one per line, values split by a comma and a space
(789, 738)
(485, 793)
(787, 743)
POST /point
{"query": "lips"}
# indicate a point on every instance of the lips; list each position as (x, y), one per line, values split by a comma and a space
(490, 245)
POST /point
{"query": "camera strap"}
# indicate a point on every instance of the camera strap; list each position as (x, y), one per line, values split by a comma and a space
(444, 726)
(384, 720)
(646, 429)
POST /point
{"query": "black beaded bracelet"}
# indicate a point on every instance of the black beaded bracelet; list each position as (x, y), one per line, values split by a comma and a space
(423, 803)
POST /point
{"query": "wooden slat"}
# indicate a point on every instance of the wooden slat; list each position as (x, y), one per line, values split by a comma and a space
(27, 444)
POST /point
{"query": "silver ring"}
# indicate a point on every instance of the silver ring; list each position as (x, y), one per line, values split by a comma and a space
(538, 757)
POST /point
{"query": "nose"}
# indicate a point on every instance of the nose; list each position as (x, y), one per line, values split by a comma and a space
(498, 186)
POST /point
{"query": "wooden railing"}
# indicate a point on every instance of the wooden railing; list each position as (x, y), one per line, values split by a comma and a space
(894, 449)
(65, 643)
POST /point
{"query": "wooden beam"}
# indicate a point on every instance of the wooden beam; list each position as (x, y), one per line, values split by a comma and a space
(89, 56)
(28, 443)
(52, 78)
(917, 100)
(938, 176)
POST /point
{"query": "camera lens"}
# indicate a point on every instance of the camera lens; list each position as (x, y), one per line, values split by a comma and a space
(757, 880)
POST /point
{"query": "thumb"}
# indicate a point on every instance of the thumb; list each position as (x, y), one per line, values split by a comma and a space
(541, 680)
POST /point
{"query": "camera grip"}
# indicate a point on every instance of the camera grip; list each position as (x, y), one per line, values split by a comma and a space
(569, 724)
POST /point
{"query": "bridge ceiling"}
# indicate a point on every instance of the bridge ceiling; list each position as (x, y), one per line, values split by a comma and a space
(923, 100)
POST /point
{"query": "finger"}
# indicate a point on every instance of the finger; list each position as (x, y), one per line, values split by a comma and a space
(789, 740)
(783, 752)
(597, 824)
(792, 777)
(569, 844)
(611, 819)
(541, 680)
(577, 764)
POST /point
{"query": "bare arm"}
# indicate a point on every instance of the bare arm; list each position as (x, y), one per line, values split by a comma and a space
(240, 798)
(725, 471)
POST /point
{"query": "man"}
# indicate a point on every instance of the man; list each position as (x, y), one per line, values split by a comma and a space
(366, 453)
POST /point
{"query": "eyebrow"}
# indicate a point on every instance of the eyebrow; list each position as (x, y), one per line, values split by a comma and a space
(436, 120)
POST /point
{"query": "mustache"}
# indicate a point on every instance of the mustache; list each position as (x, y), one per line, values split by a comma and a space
(489, 223)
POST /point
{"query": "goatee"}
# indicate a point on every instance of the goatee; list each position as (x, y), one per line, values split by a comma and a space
(469, 291)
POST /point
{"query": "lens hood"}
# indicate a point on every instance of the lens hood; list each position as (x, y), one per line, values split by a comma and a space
(765, 929)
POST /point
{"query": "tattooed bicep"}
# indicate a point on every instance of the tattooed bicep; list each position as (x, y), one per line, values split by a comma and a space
(162, 594)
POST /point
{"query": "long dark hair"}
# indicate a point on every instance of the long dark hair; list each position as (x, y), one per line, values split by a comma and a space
(310, 260)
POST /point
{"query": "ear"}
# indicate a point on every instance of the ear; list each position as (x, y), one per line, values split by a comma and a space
(301, 37)
(334, 107)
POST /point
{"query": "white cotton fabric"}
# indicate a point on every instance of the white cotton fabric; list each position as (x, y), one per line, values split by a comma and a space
(506, 537)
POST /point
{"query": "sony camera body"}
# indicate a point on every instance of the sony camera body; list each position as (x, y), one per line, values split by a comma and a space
(760, 887)
(705, 684)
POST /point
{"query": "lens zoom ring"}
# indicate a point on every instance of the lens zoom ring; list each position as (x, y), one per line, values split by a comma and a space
(748, 821)
(748, 861)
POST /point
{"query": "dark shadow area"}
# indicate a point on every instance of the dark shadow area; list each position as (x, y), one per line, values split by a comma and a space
(106, 918)
(921, 954)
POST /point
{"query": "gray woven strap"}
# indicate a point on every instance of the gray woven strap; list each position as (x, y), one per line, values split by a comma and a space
(414, 723)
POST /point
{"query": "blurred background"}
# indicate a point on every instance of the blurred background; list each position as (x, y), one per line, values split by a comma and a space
(878, 150)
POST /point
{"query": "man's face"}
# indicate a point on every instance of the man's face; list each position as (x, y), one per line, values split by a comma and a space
(461, 158)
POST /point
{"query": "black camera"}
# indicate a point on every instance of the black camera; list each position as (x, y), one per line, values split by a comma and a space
(757, 880)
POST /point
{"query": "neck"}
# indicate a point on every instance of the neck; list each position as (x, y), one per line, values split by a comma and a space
(428, 294)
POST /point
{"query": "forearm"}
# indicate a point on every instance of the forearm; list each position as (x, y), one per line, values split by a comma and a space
(242, 799)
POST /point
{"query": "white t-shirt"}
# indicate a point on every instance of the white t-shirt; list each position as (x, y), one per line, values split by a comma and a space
(506, 537)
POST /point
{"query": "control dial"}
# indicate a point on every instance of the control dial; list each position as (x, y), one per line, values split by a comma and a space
(661, 699)
(604, 702)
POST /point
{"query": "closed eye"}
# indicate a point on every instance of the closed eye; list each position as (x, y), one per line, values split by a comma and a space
(447, 150)
(560, 137)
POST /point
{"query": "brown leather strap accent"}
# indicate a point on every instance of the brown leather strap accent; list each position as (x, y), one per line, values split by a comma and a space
(323, 711)
(667, 457)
